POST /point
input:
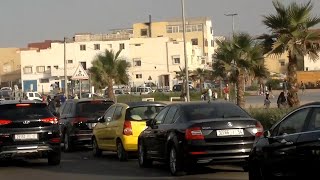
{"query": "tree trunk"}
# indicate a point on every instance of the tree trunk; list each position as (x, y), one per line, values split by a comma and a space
(293, 87)
(240, 90)
(110, 90)
(201, 82)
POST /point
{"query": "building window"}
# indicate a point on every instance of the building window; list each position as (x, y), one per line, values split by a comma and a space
(169, 29)
(70, 61)
(194, 41)
(176, 59)
(96, 46)
(211, 30)
(282, 63)
(27, 70)
(138, 76)
(144, 32)
(121, 46)
(137, 62)
(44, 80)
(212, 43)
(56, 67)
(48, 68)
(307, 69)
(82, 47)
(40, 69)
(206, 42)
(109, 46)
(84, 65)
(137, 44)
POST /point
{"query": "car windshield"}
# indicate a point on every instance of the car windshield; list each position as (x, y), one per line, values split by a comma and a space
(92, 108)
(5, 93)
(213, 111)
(142, 112)
(24, 111)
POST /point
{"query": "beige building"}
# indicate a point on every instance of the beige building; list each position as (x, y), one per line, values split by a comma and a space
(277, 64)
(10, 65)
(199, 32)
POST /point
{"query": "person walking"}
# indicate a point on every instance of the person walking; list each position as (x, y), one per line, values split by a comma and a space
(267, 101)
(303, 87)
(282, 101)
(209, 94)
(226, 92)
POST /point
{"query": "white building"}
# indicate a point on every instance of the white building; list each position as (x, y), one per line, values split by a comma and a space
(310, 65)
(152, 59)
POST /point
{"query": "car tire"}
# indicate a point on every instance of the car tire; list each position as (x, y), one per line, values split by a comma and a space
(143, 161)
(175, 163)
(67, 145)
(95, 148)
(54, 158)
(121, 152)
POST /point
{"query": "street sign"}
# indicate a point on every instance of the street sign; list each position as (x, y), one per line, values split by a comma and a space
(80, 74)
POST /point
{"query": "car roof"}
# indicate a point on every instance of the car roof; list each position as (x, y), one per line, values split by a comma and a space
(311, 104)
(18, 102)
(143, 103)
(88, 99)
(184, 104)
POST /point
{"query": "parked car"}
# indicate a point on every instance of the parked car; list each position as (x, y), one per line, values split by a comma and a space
(90, 95)
(28, 129)
(6, 95)
(178, 88)
(119, 128)
(34, 96)
(188, 134)
(290, 148)
(77, 119)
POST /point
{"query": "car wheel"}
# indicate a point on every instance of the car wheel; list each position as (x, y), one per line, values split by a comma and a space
(67, 146)
(175, 163)
(121, 152)
(54, 158)
(142, 158)
(95, 148)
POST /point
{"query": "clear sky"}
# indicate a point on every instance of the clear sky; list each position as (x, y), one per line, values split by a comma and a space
(24, 21)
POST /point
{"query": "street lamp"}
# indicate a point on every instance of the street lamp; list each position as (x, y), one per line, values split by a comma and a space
(185, 51)
(232, 15)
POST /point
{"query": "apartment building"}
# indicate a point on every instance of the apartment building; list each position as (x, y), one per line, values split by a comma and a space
(152, 60)
(9, 66)
(199, 32)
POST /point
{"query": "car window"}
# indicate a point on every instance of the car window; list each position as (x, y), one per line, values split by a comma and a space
(92, 108)
(294, 123)
(213, 110)
(24, 111)
(142, 112)
(170, 115)
(117, 113)
(160, 117)
(314, 120)
(109, 114)
(37, 95)
(66, 109)
(30, 94)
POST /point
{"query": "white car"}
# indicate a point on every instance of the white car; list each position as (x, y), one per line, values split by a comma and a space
(34, 96)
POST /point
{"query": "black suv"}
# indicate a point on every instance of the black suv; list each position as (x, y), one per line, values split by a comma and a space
(28, 129)
(78, 118)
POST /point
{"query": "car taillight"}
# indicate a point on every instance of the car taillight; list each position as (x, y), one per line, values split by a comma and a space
(4, 122)
(127, 128)
(51, 120)
(55, 140)
(77, 120)
(194, 133)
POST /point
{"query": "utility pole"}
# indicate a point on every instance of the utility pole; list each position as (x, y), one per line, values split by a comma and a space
(65, 68)
(185, 51)
(232, 15)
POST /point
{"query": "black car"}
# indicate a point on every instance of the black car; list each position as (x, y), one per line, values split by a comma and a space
(28, 129)
(290, 148)
(78, 117)
(6, 95)
(187, 134)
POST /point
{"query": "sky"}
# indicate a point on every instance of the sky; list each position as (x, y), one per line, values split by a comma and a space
(25, 21)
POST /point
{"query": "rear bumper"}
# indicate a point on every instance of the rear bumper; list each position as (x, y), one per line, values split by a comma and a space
(83, 138)
(130, 143)
(32, 151)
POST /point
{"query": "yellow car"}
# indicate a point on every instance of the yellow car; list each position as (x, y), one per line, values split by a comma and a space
(119, 128)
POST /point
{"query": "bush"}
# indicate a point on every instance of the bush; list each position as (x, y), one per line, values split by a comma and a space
(275, 84)
(268, 117)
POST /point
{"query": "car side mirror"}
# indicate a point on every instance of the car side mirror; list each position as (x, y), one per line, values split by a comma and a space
(150, 122)
(101, 119)
(267, 134)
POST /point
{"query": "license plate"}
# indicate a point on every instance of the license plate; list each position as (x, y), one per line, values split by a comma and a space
(91, 125)
(230, 132)
(22, 137)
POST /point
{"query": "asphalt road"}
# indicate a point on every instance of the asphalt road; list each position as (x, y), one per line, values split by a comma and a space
(83, 166)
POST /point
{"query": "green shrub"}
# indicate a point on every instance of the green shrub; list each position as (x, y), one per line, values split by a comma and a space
(268, 117)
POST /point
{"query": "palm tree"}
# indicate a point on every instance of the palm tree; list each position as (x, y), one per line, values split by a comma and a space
(201, 75)
(107, 69)
(241, 53)
(290, 26)
(181, 75)
(219, 71)
(260, 72)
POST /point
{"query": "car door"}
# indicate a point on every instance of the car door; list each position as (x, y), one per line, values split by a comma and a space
(151, 142)
(308, 144)
(106, 128)
(164, 130)
(64, 115)
(115, 127)
(281, 152)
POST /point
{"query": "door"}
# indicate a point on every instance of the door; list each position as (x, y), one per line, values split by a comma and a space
(151, 143)
(102, 129)
(164, 130)
(64, 115)
(308, 145)
(281, 152)
(115, 127)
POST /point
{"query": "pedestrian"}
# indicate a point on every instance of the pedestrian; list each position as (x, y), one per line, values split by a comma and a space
(62, 98)
(76, 96)
(226, 92)
(267, 101)
(303, 87)
(270, 90)
(282, 101)
(209, 94)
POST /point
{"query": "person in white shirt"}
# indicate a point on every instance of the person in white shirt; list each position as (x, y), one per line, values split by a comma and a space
(210, 94)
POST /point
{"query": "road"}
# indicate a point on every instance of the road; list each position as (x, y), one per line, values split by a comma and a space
(83, 166)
